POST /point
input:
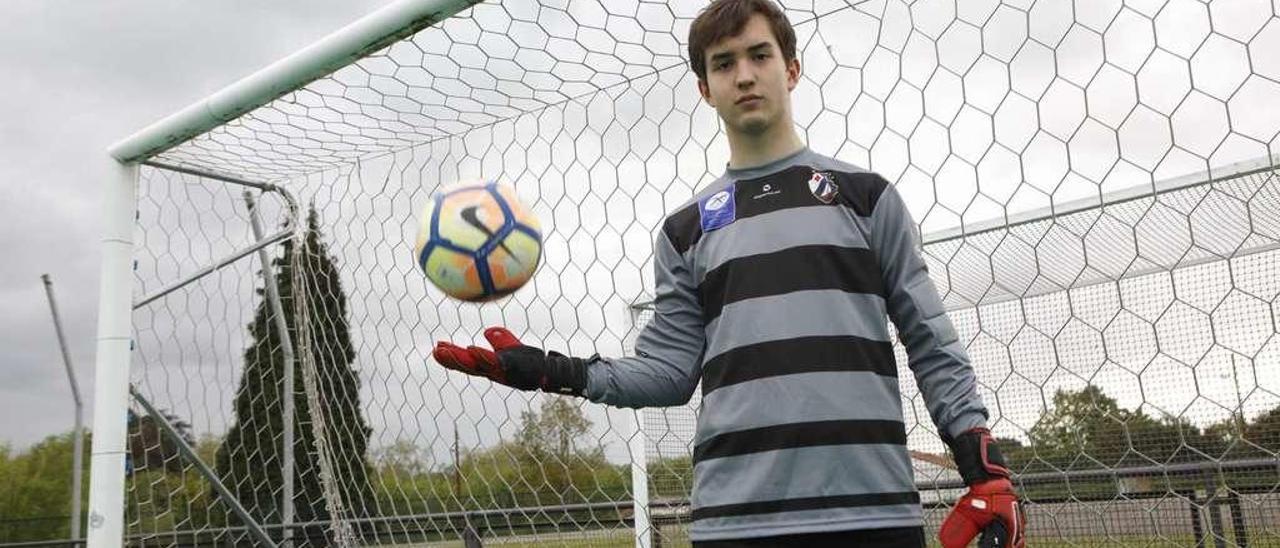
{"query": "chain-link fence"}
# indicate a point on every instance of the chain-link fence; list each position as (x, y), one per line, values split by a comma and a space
(1095, 183)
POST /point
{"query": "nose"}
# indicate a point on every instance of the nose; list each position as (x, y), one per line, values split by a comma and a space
(744, 76)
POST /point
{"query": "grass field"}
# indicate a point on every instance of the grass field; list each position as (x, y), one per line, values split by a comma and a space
(678, 539)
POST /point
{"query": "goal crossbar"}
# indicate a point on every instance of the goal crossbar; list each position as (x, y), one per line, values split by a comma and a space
(339, 49)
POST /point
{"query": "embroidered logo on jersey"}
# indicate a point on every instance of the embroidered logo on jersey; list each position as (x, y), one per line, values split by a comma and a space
(823, 187)
(717, 210)
(767, 190)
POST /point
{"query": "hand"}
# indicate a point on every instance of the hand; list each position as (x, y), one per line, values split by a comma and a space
(991, 506)
(515, 364)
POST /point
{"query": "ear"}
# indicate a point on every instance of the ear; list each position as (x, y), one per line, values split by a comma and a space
(793, 74)
(705, 90)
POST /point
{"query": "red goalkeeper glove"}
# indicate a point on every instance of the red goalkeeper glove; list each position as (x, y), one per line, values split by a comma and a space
(991, 506)
(515, 364)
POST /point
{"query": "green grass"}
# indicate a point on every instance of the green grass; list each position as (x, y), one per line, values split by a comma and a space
(677, 538)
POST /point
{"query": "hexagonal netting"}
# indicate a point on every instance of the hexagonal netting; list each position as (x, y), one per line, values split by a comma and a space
(1095, 184)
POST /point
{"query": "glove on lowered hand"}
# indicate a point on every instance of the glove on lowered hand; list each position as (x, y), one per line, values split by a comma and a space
(991, 506)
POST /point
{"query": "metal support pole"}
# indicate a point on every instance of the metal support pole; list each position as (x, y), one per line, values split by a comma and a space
(1237, 520)
(1214, 510)
(111, 373)
(191, 278)
(286, 343)
(640, 483)
(639, 464)
(1197, 526)
(261, 243)
(470, 538)
(77, 459)
(255, 530)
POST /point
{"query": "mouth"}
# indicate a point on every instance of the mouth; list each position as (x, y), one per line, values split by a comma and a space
(748, 99)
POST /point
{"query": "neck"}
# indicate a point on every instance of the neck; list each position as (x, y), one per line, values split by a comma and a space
(751, 150)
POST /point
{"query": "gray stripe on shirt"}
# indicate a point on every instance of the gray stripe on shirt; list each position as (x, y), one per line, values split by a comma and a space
(788, 474)
(799, 314)
(774, 231)
(803, 397)
(807, 521)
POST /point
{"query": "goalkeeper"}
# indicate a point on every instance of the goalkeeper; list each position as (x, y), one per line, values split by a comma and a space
(772, 288)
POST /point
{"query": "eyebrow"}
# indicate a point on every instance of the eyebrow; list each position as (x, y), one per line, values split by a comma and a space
(729, 54)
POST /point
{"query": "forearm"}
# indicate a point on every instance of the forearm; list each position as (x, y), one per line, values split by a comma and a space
(949, 389)
(937, 358)
(668, 352)
(638, 381)
(664, 370)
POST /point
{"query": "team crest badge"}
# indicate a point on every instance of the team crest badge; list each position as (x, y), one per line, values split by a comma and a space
(823, 187)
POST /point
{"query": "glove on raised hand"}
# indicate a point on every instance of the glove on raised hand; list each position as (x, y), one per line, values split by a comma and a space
(516, 364)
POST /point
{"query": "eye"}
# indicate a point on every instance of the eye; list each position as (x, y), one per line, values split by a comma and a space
(721, 65)
(762, 56)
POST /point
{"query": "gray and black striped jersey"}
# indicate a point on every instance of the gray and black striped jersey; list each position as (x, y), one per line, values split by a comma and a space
(772, 288)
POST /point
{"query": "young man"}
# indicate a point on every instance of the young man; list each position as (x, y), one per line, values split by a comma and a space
(772, 288)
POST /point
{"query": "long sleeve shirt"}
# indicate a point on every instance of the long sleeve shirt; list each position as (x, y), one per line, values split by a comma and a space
(772, 288)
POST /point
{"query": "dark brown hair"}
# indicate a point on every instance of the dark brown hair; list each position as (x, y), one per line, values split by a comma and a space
(725, 18)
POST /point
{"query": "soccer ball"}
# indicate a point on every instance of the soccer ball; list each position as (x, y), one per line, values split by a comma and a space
(478, 241)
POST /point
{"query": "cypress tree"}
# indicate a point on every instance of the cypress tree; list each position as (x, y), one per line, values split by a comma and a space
(250, 459)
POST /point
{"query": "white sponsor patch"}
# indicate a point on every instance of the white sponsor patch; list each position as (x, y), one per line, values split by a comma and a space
(717, 210)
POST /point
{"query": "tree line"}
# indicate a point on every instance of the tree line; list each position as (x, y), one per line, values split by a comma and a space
(1088, 430)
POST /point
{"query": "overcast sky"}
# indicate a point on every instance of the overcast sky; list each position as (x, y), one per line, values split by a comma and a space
(78, 77)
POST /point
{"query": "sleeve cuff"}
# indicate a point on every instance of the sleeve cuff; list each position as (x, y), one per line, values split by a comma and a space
(597, 385)
(965, 422)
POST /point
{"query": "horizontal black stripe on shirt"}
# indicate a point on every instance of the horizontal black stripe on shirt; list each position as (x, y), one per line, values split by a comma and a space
(860, 191)
(683, 228)
(786, 189)
(800, 434)
(798, 355)
(807, 503)
(800, 268)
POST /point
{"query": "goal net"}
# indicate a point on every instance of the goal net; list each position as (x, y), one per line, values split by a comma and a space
(1095, 185)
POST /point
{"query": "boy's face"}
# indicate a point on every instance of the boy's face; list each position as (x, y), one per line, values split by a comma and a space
(748, 81)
